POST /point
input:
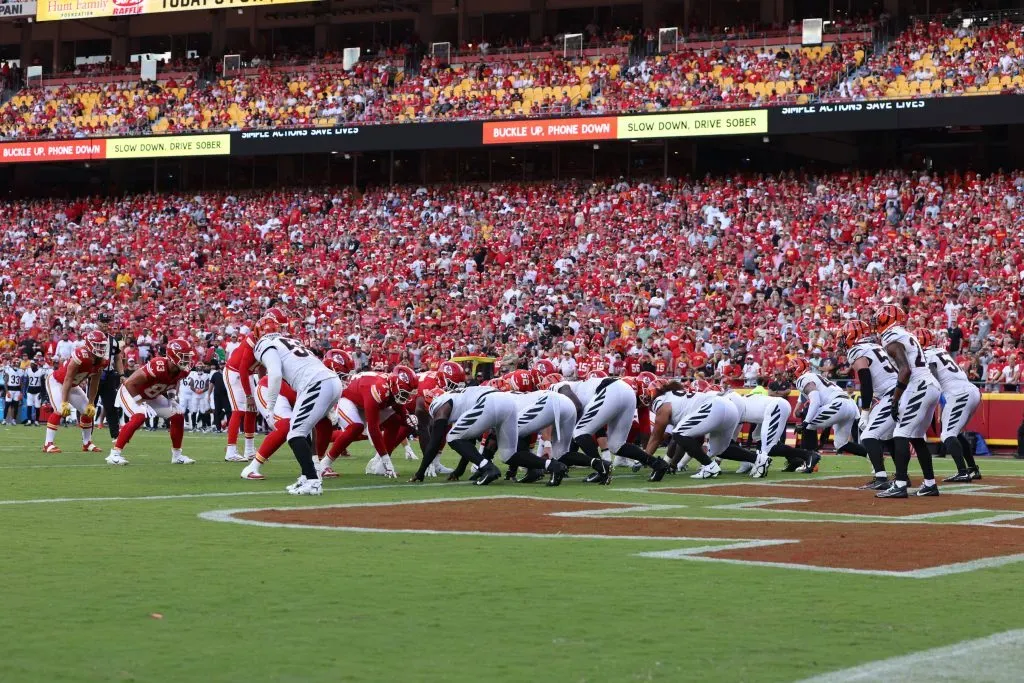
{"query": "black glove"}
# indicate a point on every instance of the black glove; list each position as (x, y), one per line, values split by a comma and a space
(895, 409)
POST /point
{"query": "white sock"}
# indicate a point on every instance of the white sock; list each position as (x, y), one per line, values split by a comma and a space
(51, 434)
(929, 482)
(86, 435)
(232, 449)
(484, 463)
(881, 475)
(175, 452)
(254, 466)
(900, 483)
(250, 444)
(606, 455)
(115, 451)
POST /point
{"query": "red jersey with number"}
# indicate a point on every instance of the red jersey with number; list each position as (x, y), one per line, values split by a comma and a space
(584, 366)
(243, 361)
(660, 367)
(429, 380)
(286, 389)
(159, 378)
(632, 367)
(88, 365)
(370, 392)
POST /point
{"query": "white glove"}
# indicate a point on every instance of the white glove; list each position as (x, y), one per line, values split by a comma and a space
(863, 423)
(150, 413)
(412, 421)
(389, 469)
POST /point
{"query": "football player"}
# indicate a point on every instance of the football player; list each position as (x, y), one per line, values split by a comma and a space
(448, 376)
(13, 378)
(146, 390)
(962, 400)
(913, 401)
(35, 375)
(64, 390)
(317, 390)
(876, 377)
(824, 405)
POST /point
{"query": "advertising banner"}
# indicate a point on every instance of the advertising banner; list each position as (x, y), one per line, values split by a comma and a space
(550, 130)
(52, 150)
(693, 124)
(17, 9)
(169, 146)
(53, 10)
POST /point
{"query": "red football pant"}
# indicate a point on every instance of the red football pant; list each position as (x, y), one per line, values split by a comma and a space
(243, 419)
(273, 440)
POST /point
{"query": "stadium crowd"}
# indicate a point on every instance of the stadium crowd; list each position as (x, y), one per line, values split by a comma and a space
(728, 277)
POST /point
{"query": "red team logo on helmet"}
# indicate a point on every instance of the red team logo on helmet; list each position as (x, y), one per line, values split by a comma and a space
(521, 380)
(638, 387)
(273, 320)
(853, 331)
(181, 353)
(646, 378)
(96, 342)
(451, 374)
(340, 362)
(599, 374)
(402, 382)
(925, 337)
(888, 316)
(545, 367)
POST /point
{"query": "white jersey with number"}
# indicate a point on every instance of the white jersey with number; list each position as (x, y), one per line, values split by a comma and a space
(584, 389)
(951, 376)
(827, 388)
(919, 369)
(462, 401)
(12, 377)
(883, 372)
(299, 367)
(682, 402)
(198, 382)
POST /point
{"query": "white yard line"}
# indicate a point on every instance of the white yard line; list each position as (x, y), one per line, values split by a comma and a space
(995, 659)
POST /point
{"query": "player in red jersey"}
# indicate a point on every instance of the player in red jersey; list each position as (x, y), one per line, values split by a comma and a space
(373, 405)
(146, 389)
(64, 388)
(240, 380)
(450, 375)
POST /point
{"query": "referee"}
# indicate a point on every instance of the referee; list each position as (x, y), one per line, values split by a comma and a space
(110, 381)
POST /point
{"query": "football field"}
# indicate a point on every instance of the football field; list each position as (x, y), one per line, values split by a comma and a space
(156, 572)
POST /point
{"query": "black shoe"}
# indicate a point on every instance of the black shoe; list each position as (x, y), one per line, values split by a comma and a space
(557, 470)
(602, 475)
(894, 491)
(475, 475)
(960, 477)
(660, 469)
(975, 474)
(792, 464)
(534, 475)
(510, 473)
(876, 484)
(932, 490)
(636, 468)
(488, 474)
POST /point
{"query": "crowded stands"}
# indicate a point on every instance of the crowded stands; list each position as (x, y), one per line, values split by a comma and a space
(724, 276)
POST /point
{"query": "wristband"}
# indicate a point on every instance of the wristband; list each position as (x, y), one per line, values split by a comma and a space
(902, 386)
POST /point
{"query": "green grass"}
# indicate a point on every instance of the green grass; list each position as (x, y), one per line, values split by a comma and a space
(81, 580)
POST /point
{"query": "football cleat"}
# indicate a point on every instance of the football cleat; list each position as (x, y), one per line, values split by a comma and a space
(811, 465)
(535, 475)
(328, 473)
(182, 460)
(659, 468)
(760, 467)
(51, 448)
(709, 471)
(234, 457)
(745, 468)
(975, 474)
(91, 448)
(601, 476)
(488, 474)
(557, 470)
(306, 487)
(876, 484)
(894, 491)
(441, 469)
(511, 472)
(249, 472)
(959, 478)
(932, 490)
(115, 459)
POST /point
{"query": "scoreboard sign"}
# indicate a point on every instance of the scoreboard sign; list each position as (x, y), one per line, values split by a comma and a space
(53, 10)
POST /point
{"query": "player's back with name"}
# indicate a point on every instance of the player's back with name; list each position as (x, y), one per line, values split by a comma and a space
(299, 367)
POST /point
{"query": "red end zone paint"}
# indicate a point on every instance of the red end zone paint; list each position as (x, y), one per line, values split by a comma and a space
(921, 549)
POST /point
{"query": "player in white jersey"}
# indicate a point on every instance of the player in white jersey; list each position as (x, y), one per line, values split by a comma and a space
(461, 416)
(769, 414)
(827, 405)
(608, 403)
(961, 401)
(913, 402)
(876, 377)
(195, 396)
(545, 411)
(317, 389)
(13, 377)
(35, 375)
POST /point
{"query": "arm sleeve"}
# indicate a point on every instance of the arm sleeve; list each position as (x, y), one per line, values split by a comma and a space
(272, 361)
(372, 412)
(813, 406)
(866, 388)
(245, 375)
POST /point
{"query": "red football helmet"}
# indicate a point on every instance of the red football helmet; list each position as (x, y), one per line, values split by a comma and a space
(853, 331)
(273, 320)
(545, 367)
(498, 383)
(341, 362)
(554, 377)
(402, 382)
(521, 380)
(430, 394)
(798, 366)
(452, 374)
(925, 337)
(888, 316)
(646, 378)
(600, 374)
(700, 386)
(181, 353)
(96, 342)
(634, 384)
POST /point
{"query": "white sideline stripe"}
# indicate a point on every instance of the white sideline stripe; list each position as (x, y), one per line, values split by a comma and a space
(692, 554)
(994, 659)
(611, 512)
